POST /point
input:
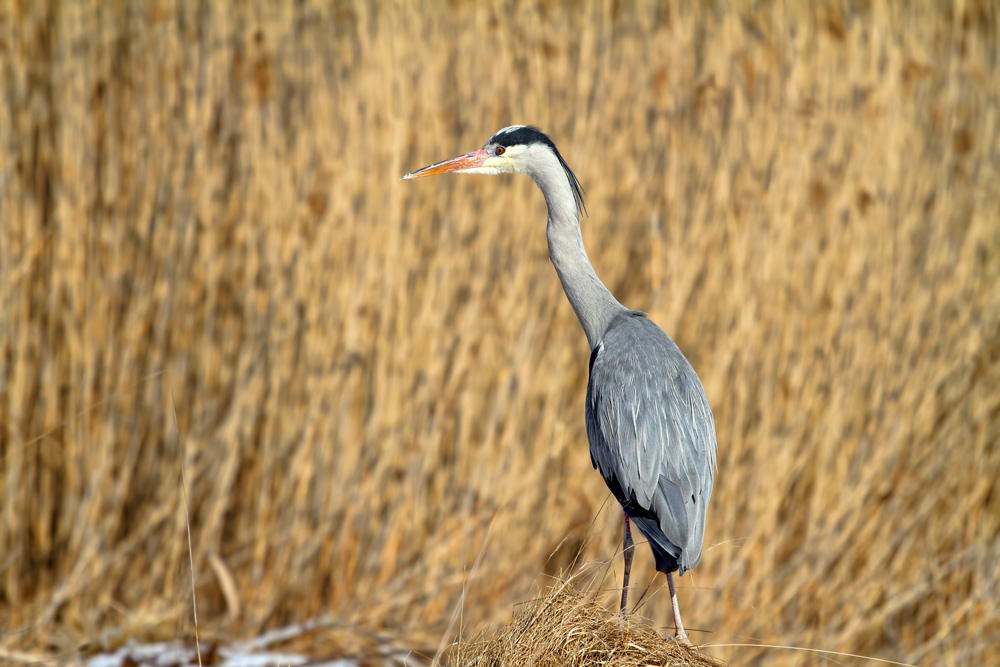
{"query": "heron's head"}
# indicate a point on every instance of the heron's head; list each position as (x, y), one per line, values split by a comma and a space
(518, 149)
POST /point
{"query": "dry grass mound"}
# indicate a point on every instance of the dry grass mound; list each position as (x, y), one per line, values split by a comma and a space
(568, 628)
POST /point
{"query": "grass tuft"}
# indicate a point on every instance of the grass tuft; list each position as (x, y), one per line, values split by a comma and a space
(568, 627)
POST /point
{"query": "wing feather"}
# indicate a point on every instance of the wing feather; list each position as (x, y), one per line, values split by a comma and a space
(651, 432)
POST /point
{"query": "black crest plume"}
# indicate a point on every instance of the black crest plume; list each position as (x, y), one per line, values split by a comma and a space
(526, 135)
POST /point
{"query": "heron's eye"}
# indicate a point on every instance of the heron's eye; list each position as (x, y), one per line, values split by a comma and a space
(500, 150)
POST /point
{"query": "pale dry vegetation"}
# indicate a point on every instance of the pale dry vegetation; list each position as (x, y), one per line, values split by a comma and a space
(200, 208)
(564, 628)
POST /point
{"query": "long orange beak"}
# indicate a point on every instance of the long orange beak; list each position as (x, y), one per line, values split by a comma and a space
(467, 161)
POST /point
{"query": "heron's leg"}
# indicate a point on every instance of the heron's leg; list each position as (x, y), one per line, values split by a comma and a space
(682, 637)
(628, 550)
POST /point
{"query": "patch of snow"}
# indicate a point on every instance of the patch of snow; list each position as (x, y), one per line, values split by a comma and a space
(170, 654)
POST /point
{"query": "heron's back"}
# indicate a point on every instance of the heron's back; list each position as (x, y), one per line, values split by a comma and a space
(652, 436)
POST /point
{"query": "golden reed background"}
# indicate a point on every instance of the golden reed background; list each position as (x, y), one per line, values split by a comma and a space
(200, 207)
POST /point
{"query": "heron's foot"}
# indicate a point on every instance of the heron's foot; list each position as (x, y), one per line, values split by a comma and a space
(681, 638)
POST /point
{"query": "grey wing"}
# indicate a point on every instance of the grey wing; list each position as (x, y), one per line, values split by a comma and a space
(652, 435)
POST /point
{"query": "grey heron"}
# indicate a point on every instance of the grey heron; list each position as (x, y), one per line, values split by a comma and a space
(651, 430)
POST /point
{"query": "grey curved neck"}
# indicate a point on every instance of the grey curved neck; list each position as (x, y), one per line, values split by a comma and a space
(595, 306)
